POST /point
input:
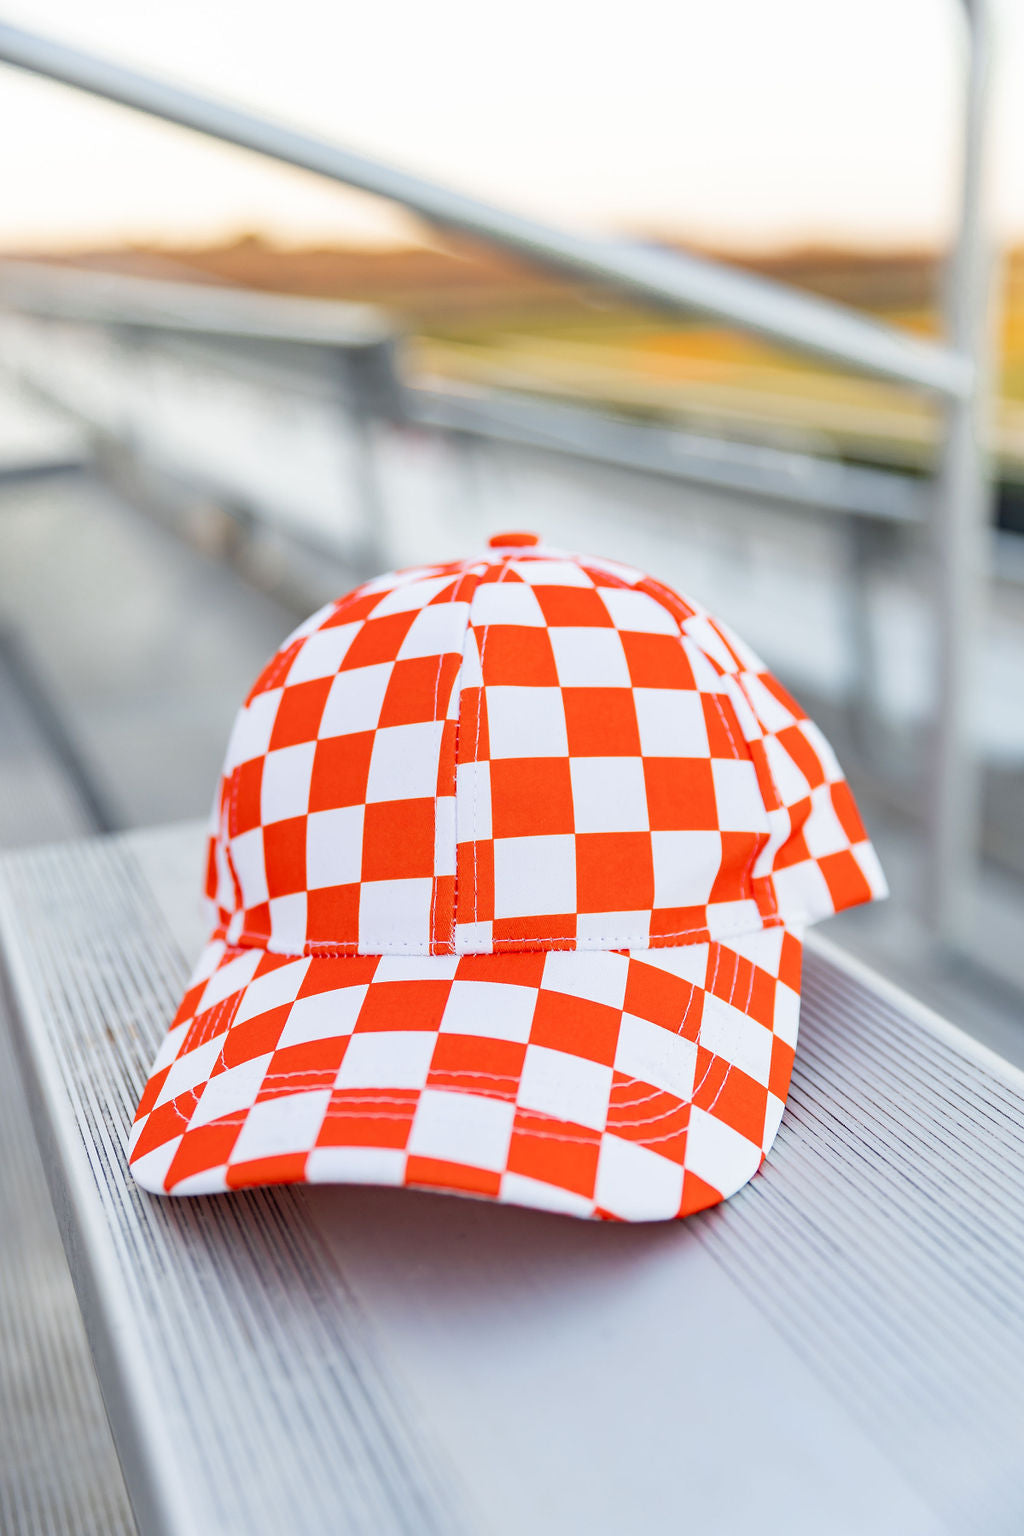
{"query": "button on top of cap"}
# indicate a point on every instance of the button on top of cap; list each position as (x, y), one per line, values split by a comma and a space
(513, 541)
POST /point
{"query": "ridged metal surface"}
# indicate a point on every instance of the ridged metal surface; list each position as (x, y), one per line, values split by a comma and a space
(250, 1384)
(885, 1238)
(58, 1470)
(237, 1367)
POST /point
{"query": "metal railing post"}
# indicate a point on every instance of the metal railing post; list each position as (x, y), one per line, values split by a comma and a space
(961, 525)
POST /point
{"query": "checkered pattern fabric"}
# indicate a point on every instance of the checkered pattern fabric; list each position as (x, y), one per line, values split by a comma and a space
(509, 860)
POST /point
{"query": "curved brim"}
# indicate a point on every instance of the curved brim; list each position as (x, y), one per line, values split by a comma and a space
(635, 1085)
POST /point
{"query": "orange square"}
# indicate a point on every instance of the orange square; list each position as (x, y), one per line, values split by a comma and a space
(303, 1067)
(475, 881)
(244, 796)
(781, 1069)
(531, 796)
(378, 640)
(398, 840)
(577, 1026)
(285, 1168)
(299, 713)
(472, 1062)
(657, 661)
(253, 1037)
(637, 1111)
(559, 1152)
(846, 810)
(419, 689)
(739, 855)
(742, 1103)
(670, 924)
(524, 970)
(433, 1173)
(578, 606)
(368, 1117)
(601, 722)
(614, 871)
(275, 671)
(845, 879)
(332, 917)
(341, 768)
(662, 998)
(284, 851)
(208, 1146)
(557, 930)
(519, 654)
(680, 794)
(402, 1005)
(803, 754)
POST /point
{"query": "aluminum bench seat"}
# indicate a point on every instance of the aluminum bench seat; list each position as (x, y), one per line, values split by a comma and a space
(838, 1349)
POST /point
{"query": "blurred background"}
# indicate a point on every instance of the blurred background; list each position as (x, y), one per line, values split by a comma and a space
(229, 389)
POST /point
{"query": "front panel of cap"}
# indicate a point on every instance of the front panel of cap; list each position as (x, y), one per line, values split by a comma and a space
(606, 795)
(335, 819)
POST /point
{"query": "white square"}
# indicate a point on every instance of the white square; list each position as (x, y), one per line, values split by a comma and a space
(355, 700)
(789, 780)
(601, 930)
(495, 1010)
(506, 602)
(526, 722)
(686, 866)
(404, 762)
(718, 1154)
(191, 1069)
(671, 722)
(444, 836)
(436, 631)
(609, 794)
(334, 847)
(284, 790)
(462, 1128)
(230, 1091)
(356, 1165)
(422, 967)
(656, 1055)
(290, 1123)
(823, 831)
(413, 594)
(250, 735)
(288, 923)
(387, 1059)
(394, 915)
(701, 630)
(589, 658)
(772, 1120)
(229, 979)
(738, 796)
(250, 865)
(323, 1016)
(635, 1183)
(551, 573)
(473, 792)
(517, 1189)
(771, 712)
(599, 978)
(323, 653)
(802, 892)
(277, 987)
(534, 875)
(637, 612)
(474, 938)
(687, 961)
(740, 1040)
(565, 1087)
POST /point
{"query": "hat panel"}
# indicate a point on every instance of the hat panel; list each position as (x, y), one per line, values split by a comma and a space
(335, 817)
(607, 796)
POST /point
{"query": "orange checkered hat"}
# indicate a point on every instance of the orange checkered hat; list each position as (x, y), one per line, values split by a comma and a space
(511, 860)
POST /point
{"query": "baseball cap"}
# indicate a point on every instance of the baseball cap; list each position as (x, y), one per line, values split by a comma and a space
(509, 868)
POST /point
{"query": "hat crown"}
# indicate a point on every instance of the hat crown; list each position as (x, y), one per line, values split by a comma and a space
(526, 751)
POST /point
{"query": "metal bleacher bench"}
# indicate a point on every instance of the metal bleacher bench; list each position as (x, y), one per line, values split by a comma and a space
(839, 1349)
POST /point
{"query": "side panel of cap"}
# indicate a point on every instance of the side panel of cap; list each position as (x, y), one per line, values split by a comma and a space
(606, 795)
(818, 859)
(335, 820)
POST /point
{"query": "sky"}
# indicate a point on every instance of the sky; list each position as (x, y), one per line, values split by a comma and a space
(745, 124)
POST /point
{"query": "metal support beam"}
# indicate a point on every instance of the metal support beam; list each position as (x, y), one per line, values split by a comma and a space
(961, 532)
(666, 280)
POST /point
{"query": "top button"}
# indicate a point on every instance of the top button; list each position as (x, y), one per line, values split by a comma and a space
(513, 541)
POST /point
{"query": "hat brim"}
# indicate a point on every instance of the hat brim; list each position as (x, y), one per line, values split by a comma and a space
(634, 1085)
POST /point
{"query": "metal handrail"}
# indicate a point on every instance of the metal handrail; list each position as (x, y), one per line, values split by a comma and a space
(667, 280)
